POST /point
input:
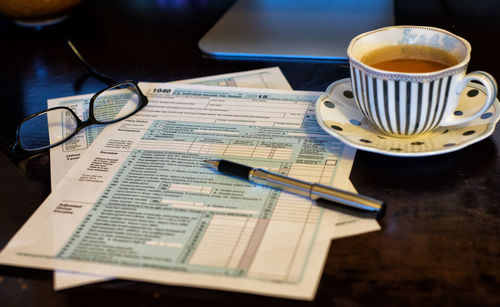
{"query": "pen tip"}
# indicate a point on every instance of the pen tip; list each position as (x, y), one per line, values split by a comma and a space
(212, 163)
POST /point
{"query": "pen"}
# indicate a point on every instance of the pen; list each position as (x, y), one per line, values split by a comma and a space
(324, 196)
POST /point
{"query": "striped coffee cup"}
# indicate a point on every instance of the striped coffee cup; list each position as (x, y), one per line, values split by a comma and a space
(408, 104)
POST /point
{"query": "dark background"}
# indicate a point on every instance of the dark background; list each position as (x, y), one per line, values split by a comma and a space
(440, 239)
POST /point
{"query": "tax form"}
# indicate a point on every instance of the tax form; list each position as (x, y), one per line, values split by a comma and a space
(139, 203)
(63, 157)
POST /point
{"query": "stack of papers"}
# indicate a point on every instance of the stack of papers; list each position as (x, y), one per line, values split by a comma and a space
(134, 200)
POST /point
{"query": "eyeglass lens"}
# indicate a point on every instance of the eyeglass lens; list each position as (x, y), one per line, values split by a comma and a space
(116, 103)
(34, 133)
(57, 125)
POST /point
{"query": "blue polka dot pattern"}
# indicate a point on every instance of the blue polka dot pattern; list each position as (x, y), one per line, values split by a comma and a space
(472, 93)
(348, 94)
(486, 115)
(355, 122)
(329, 104)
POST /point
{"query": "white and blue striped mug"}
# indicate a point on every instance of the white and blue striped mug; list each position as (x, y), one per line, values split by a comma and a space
(409, 104)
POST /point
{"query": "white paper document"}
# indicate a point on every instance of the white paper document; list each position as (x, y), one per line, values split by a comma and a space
(63, 157)
(140, 204)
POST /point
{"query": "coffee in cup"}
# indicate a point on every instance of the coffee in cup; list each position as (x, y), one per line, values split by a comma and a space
(407, 80)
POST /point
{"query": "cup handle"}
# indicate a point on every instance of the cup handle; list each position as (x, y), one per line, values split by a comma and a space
(491, 87)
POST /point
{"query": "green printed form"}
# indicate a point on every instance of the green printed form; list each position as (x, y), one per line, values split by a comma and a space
(164, 209)
(139, 202)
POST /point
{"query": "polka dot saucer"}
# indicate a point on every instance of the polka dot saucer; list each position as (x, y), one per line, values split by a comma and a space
(337, 114)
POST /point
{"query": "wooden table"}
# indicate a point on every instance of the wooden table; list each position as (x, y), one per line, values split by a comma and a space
(440, 239)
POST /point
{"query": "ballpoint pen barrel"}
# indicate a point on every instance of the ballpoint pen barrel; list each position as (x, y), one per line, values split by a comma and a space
(325, 196)
(315, 191)
(287, 184)
(346, 198)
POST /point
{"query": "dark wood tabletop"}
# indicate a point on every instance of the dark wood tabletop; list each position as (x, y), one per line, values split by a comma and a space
(440, 238)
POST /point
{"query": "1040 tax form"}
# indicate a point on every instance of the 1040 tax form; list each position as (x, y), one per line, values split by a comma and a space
(139, 204)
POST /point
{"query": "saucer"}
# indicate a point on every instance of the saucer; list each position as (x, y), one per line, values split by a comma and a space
(338, 115)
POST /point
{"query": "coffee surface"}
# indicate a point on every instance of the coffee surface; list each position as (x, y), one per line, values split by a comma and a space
(409, 59)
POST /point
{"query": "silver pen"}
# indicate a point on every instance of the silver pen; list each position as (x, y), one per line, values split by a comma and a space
(324, 196)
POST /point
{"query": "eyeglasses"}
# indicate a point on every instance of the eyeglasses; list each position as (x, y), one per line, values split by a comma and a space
(46, 129)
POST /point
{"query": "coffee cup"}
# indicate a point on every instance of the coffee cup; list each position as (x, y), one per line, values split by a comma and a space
(407, 80)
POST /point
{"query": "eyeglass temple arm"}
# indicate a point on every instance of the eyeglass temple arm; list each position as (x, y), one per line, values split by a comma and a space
(92, 70)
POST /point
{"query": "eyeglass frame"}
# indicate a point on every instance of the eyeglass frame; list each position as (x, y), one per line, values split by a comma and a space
(17, 150)
(17, 147)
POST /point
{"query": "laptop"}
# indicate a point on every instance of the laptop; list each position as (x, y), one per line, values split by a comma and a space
(308, 29)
